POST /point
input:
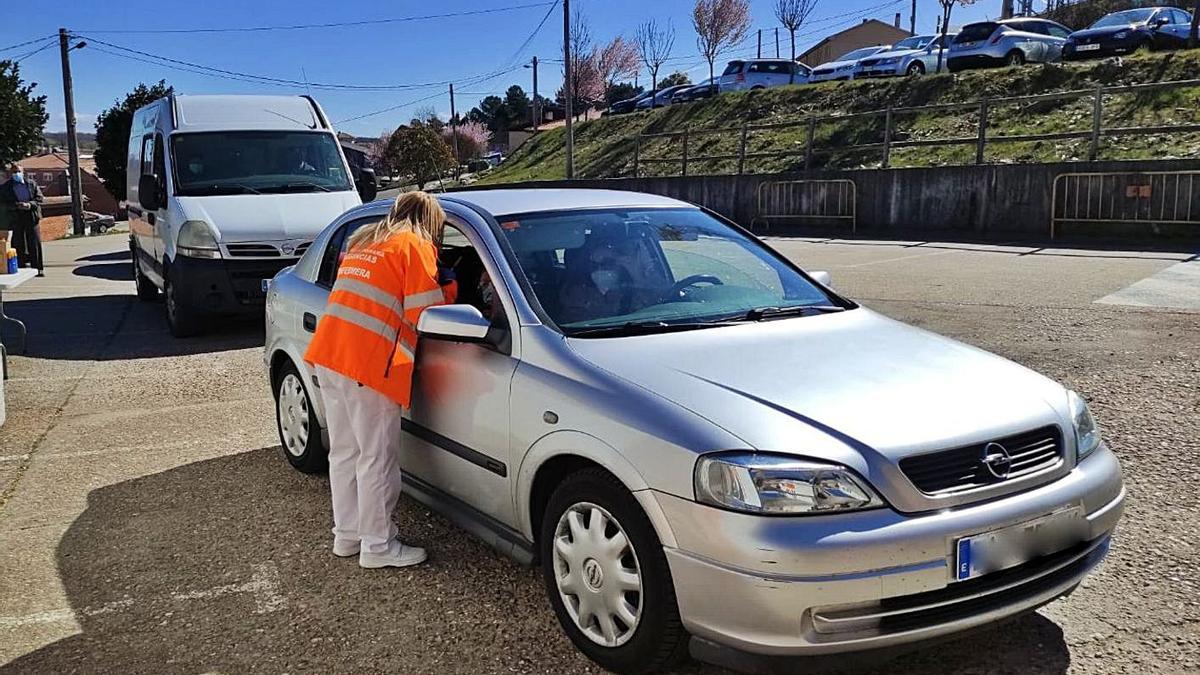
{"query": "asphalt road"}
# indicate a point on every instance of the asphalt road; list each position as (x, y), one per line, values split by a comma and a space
(149, 524)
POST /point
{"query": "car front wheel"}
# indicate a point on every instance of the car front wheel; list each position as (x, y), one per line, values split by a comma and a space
(299, 431)
(916, 68)
(1015, 58)
(607, 576)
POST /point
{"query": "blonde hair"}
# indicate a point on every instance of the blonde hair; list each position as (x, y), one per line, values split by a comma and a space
(417, 212)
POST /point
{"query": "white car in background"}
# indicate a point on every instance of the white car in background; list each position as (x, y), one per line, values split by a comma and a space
(916, 55)
(843, 68)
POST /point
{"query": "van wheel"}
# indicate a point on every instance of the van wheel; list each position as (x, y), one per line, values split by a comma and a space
(146, 290)
(296, 421)
(607, 576)
(181, 319)
(1015, 58)
(915, 68)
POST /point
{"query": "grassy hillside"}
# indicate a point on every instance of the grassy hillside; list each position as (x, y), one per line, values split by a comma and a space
(605, 147)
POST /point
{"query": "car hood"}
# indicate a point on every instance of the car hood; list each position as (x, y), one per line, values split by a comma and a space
(899, 53)
(833, 65)
(873, 384)
(268, 217)
(1105, 31)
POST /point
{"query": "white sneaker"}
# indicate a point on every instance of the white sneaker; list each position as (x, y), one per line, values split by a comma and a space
(398, 555)
(344, 548)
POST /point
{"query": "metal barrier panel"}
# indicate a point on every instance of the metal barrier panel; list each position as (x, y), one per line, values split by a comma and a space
(807, 200)
(1151, 197)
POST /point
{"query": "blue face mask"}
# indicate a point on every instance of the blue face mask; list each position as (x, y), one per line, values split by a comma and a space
(19, 177)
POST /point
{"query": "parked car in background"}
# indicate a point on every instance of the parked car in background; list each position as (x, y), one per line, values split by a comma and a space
(1129, 31)
(706, 89)
(916, 55)
(1011, 42)
(718, 447)
(660, 98)
(742, 75)
(843, 67)
(629, 104)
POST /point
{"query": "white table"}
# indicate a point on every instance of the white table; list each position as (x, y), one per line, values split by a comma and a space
(10, 281)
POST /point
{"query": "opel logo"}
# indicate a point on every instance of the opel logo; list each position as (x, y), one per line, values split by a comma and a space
(288, 249)
(997, 460)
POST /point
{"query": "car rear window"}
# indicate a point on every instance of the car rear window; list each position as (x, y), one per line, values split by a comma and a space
(767, 67)
(733, 68)
(977, 31)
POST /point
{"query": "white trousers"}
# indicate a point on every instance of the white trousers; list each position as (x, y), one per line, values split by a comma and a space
(364, 460)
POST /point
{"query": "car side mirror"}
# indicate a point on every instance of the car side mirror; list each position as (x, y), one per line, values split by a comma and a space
(822, 278)
(366, 185)
(1161, 21)
(148, 197)
(456, 323)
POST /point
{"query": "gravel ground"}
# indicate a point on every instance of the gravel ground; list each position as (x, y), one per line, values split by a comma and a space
(148, 524)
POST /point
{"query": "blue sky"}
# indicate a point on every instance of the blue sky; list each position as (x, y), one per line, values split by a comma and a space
(461, 49)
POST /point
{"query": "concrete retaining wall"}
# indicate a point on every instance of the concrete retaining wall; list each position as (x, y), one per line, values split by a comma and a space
(983, 202)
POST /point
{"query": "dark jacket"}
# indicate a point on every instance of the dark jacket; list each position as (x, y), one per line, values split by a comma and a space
(8, 202)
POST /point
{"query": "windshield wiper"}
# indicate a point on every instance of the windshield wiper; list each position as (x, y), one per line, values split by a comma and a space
(763, 313)
(228, 187)
(289, 187)
(642, 328)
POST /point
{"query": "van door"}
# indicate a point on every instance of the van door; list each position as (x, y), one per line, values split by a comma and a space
(145, 223)
(161, 218)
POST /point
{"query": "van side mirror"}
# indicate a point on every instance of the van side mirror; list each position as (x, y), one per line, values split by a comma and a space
(366, 185)
(456, 323)
(148, 196)
(822, 278)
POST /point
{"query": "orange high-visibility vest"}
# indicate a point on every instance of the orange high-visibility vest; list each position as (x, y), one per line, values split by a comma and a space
(369, 330)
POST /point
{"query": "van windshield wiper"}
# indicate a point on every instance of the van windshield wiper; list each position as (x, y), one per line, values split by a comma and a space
(235, 188)
(297, 187)
(764, 313)
(642, 328)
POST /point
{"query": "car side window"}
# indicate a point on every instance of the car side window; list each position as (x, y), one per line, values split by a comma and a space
(335, 249)
(1058, 31)
(147, 154)
(159, 165)
(1181, 17)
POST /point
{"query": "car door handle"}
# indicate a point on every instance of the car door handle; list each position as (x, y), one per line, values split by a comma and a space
(310, 322)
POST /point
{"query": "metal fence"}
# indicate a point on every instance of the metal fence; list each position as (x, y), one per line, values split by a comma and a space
(1154, 198)
(806, 201)
(1094, 133)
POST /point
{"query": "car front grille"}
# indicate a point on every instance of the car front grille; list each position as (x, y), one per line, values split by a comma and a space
(870, 62)
(1037, 581)
(825, 71)
(960, 469)
(264, 249)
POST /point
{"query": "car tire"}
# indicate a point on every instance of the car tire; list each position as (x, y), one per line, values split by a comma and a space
(656, 640)
(915, 69)
(146, 290)
(757, 87)
(183, 321)
(1015, 57)
(296, 422)
(1144, 47)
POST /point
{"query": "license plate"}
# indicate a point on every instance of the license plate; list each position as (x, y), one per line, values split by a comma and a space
(1087, 48)
(1016, 544)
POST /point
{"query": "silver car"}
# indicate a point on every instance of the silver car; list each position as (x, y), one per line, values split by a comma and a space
(752, 74)
(912, 56)
(703, 445)
(844, 66)
(1011, 42)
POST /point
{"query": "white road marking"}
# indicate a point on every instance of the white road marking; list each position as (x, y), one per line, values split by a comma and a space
(263, 585)
(896, 259)
(1176, 287)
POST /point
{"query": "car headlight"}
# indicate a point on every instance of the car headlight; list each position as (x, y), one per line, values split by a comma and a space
(196, 240)
(1121, 35)
(893, 60)
(1087, 434)
(844, 68)
(779, 485)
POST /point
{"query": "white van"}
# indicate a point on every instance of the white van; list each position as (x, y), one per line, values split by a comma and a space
(225, 191)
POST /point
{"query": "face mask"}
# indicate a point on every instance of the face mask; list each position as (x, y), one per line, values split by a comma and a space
(19, 177)
(195, 167)
(606, 280)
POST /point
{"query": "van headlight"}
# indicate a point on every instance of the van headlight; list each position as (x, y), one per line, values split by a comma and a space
(779, 485)
(196, 240)
(1087, 434)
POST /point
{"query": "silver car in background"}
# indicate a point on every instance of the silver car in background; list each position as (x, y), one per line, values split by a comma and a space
(912, 56)
(701, 444)
(844, 66)
(1011, 42)
(747, 74)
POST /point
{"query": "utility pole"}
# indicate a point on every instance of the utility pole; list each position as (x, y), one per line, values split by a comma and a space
(1006, 9)
(537, 106)
(912, 19)
(454, 133)
(64, 46)
(777, 42)
(760, 43)
(568, 88)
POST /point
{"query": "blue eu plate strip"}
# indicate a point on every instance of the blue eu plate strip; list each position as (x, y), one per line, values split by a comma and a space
(964, 559)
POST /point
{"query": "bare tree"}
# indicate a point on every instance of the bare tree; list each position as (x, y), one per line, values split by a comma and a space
(792, 14)
(947, 6)
(616, 59)
(655, 41)
(719, 24)
(586, 85)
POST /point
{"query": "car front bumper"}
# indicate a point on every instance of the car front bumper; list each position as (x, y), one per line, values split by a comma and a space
(1072, 52)
(873, 579)
(876, 71)
(224, 285)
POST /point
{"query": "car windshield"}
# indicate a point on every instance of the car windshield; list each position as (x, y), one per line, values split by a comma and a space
(859, 54)
(1124, 18)
(976, 32)
(257, 162)
(655, 268)
(917, 42)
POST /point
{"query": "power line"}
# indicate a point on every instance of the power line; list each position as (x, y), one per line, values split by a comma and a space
(541, 24)
(22, 57)
(336, 24)
(472, 81)
(27, 42)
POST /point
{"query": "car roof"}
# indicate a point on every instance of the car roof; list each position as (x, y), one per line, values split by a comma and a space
(508, 201)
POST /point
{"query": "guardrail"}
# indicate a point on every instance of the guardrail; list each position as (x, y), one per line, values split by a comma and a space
(806, 200)
(1094, 134)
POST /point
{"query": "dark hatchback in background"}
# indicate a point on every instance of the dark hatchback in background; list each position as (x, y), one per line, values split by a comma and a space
(1130, 30)
(706, 89)
(629, 104)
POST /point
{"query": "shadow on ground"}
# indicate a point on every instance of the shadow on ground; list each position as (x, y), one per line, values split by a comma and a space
(106, 327)
(124, 254)
(118, 271)
(223, 566)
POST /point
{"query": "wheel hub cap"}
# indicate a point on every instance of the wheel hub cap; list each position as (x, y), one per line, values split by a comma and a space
(293, 415)
(597, 573)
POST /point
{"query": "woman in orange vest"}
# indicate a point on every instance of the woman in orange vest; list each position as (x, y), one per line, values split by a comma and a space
(364, 351)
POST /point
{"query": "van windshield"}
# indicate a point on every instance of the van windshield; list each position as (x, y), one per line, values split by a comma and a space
(257, 162)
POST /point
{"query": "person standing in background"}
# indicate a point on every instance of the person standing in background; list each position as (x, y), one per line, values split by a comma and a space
(21, 200)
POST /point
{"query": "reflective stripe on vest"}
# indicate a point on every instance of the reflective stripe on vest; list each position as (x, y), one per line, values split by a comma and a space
(373, 293)
(363, 321)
